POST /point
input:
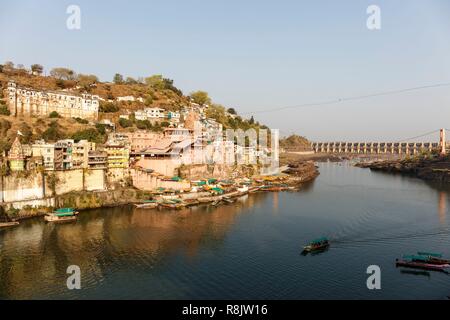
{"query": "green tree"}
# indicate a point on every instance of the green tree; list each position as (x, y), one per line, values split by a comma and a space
(86, 80)
(200, 97)
(156, 81)
(37, 69)
(232, 111)
(131, 80)
(53, 132)
(91, 134)
(63, 74)
(252, 120)
(4, 109)
(118, 78)
(53, 114)
(108, 107)
(125, 123)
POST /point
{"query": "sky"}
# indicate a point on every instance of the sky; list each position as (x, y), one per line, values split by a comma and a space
(256, 55)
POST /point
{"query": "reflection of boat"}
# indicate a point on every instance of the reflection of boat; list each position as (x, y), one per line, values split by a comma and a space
(149, 204)
(191, 202)
(228, 200)
(421, 265)
(416, 273)
(320, 244)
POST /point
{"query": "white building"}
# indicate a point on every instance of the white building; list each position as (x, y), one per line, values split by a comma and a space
(27, 101)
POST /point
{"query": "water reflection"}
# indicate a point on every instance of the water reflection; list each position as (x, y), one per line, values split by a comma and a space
(442, 207)
(34, 256)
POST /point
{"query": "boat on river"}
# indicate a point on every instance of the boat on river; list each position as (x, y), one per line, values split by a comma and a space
(422, 265)
(148, 204)
(62, 215)
(8, 224)
(173, 204)
(320, 244)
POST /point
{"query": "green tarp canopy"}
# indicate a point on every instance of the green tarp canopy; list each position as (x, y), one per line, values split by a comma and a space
(319, 240)
(218, 190)
(65, 210)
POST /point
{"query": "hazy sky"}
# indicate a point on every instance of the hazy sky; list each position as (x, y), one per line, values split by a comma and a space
(255, 55)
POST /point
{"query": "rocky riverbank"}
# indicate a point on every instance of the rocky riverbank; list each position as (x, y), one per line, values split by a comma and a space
(436, 169)
(301, 171)
(298, 173)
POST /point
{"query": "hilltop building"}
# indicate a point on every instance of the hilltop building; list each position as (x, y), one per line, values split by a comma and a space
(27, 101)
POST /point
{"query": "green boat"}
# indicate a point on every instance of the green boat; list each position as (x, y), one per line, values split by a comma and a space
(319, 244)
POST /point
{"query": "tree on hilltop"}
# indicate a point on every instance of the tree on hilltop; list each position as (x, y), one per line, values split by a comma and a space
(201, 97)
(63, 74)
(37, 69)
(118, 78)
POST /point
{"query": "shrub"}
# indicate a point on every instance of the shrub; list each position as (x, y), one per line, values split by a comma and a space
(54, 114)
(4, 110)
(108, 107)
(125, 123)
(82, 121)
(91, 134)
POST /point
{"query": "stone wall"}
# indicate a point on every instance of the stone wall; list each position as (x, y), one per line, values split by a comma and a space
(33, 185)
(150, 181)
(18, 187)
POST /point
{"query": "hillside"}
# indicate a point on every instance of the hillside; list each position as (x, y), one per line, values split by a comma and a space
(153, 91)
(295, 143)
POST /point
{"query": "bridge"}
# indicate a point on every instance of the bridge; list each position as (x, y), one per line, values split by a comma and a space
(399, 148)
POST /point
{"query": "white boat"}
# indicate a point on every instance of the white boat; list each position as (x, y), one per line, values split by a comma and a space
(243, 189)
(51, 217)
(147, 205)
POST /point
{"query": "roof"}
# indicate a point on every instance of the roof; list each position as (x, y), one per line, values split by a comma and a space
(319, 240)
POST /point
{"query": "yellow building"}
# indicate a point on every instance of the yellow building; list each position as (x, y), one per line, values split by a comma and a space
(118, 155)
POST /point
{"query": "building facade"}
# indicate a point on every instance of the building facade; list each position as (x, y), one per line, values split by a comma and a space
(27, 101)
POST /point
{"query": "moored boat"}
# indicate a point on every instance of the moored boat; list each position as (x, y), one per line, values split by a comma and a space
(317, 245)
(62, 215)
(149, 204)
(422, 265)
(8, 224)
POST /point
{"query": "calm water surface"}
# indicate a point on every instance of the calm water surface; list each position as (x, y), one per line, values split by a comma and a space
(247, 250)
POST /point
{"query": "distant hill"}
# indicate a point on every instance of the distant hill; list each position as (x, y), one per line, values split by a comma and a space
(295, 143)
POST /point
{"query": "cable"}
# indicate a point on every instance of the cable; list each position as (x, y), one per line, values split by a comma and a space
(422, 135)
(335, 101)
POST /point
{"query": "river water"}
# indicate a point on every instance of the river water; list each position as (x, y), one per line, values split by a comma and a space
(246, 250)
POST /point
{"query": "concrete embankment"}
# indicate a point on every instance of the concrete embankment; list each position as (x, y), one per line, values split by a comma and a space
(436, 169)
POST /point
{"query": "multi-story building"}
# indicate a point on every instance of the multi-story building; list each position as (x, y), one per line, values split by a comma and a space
(118, 154)
(46, 151)
(80, 154)
(97, 159)
(28, 101)
(63, 155)
(140, 140)
(150, 114)
(174, 117)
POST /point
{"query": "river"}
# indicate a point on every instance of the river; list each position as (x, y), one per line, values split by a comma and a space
(246, 250)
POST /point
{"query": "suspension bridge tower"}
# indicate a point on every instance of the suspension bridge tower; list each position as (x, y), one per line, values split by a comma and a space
(442, 142)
